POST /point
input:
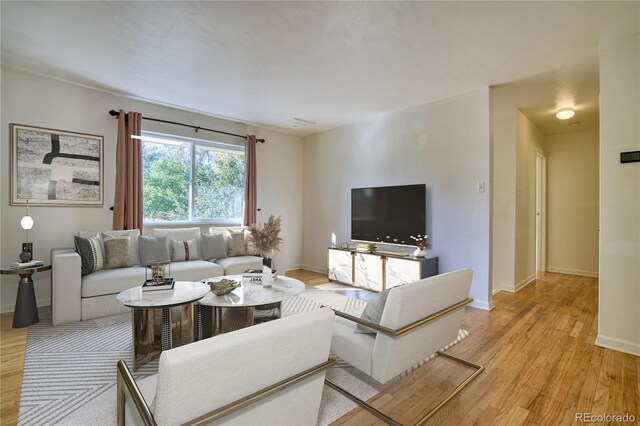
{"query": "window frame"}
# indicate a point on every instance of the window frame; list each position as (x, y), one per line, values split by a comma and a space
(156, 137)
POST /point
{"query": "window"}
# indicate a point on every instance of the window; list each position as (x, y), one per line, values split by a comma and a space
(188, 179)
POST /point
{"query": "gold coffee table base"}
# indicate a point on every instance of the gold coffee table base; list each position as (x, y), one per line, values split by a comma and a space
(153, 332)
(213, 320)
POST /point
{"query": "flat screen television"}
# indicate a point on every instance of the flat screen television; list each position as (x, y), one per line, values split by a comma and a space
(388, 214)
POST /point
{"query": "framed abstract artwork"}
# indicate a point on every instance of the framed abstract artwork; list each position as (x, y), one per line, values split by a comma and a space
(55, 167)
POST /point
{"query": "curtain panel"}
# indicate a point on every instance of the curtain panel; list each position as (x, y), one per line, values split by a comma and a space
(250, 182)
(127, 207)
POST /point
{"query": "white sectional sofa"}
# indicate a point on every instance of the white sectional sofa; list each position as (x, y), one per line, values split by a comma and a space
(76, 297)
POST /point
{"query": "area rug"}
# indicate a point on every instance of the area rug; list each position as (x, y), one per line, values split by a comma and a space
(69, 370)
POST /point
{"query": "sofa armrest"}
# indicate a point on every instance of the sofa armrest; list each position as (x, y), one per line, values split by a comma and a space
(66, 293)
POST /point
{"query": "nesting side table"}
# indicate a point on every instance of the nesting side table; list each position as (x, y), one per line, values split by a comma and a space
(26, 311)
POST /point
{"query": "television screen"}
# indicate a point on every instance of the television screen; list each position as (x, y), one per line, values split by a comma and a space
(388, 214)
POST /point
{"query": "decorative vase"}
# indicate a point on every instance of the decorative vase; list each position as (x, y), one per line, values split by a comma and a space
(267, 278)
(420, 252)
(267, 259)
(27, 252)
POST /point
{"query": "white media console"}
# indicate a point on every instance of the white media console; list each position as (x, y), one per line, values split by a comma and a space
(378, 271)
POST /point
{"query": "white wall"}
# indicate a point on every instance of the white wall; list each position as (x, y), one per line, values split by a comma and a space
(48, 103)
(503, 187)
(572, 203)
(619, 300)
(529, 142)
(443, 144)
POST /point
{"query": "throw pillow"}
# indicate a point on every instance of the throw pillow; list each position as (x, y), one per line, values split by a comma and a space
(116, 251)
(213, 246)
(373, 312)
(236, 244)
(91, 256)
(184, 250)
(153, 248)
(134, 258)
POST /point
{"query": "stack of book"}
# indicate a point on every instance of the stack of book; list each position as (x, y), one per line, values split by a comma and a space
(32, 264)
(165, 285)
(254, 276)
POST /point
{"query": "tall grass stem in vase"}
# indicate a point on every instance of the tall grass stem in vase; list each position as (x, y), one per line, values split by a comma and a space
(266, 238)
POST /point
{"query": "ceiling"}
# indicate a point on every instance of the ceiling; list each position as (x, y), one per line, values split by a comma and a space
(331, 63)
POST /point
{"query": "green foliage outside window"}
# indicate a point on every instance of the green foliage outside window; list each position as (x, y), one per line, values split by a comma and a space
(218, 182)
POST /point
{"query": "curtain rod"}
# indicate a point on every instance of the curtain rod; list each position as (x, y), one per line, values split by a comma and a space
(116, 114)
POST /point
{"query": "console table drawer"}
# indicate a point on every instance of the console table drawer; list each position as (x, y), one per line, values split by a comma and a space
(341, 266)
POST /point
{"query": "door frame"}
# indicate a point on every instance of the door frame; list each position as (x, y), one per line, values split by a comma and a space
(541, 212)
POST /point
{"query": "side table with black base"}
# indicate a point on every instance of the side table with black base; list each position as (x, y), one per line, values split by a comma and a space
(26, 311)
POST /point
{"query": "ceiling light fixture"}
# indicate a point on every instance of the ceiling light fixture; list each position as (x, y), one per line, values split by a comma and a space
(565, 113)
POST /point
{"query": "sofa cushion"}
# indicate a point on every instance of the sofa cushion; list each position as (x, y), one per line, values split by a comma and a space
(113, 281)
(226, 232)
(184, 250)
(116, 251)
(355, 348)
(153, 248)
(179, 234)
(133, 234)
(214, 246)
(91, 255)
(195, 270)
(238, 264)
(236, 244)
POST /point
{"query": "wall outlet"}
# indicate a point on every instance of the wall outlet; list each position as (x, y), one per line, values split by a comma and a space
(480, 187)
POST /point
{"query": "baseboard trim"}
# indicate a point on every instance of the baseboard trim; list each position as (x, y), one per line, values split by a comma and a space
(313, 268)
(9, 308)
(572, 272)
(292, 267)
(485, 306)
(522, 284)
(620, 345)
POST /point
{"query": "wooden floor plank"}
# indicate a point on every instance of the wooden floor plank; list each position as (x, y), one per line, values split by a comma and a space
(542, 366)
(537, 345)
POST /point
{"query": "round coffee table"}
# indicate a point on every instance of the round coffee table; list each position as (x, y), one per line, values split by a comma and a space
(26, 310)
(247, 298)
(151, 337)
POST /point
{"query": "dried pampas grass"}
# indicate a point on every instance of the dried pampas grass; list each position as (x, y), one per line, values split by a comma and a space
(266, 237)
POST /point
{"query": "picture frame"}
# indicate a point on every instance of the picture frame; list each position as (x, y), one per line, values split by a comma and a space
(51, 167)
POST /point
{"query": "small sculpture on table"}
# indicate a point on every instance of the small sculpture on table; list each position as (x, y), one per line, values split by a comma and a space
(160, 276)
(223, 287)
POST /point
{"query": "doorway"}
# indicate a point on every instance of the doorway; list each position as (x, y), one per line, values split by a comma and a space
(541, 212)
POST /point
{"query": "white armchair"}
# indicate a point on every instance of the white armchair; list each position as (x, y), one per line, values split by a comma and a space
(418, 319)
(268, 374)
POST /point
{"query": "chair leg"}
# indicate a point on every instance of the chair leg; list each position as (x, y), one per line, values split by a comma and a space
(479, 369)
(426, 416)
(379, 414)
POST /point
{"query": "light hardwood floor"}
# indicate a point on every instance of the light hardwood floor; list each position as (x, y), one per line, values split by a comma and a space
(537, 346)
